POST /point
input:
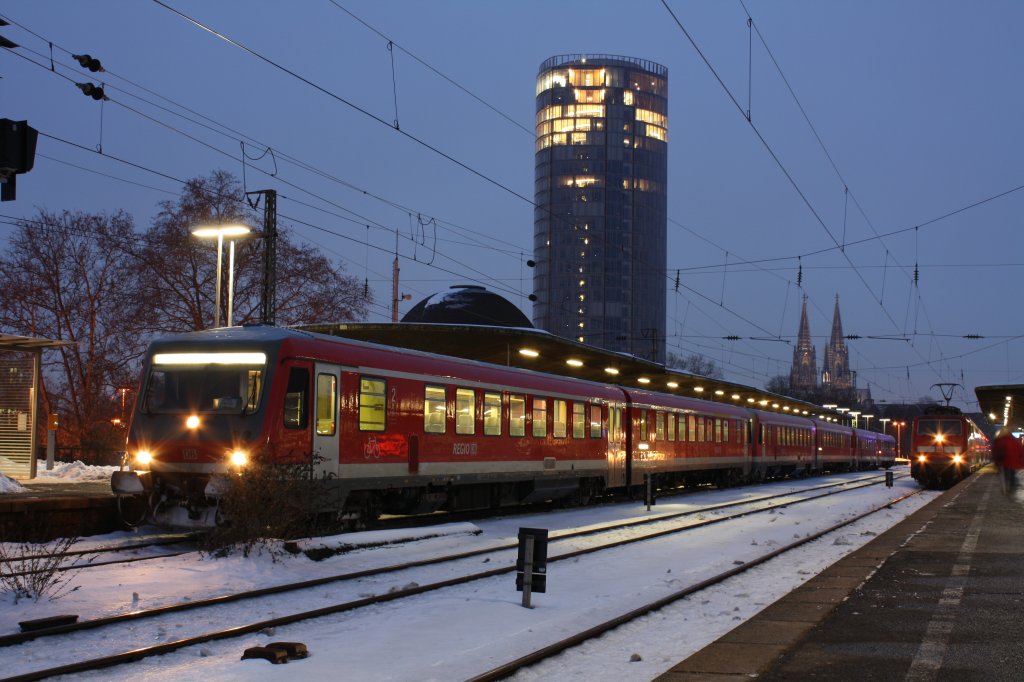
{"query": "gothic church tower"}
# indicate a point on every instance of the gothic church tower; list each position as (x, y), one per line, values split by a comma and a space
(835, 371)
(804, 373)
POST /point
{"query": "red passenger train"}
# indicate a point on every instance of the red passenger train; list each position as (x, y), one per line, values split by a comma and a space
(391, 430)
(946, 447)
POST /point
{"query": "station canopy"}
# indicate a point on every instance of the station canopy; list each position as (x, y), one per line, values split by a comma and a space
(1002, 404)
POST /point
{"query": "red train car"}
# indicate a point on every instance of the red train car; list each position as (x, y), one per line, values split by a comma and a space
(946, 447)
(389, 430)
(683, 441)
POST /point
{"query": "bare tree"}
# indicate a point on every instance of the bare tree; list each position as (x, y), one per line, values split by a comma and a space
(695, 364)
(182, 269)
(69, 276)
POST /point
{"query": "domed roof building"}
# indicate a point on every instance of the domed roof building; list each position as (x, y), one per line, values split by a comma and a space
(467, 304)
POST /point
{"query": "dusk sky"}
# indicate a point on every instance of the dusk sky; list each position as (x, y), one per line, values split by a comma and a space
(917, 105)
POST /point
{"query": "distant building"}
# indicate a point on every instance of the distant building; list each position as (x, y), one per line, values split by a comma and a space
(837, 380)
(803, 375)
(600, 226)
(835, 371)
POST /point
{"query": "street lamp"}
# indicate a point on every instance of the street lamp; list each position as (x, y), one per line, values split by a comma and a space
(221, 231)
(867, 421)
(854, 414)
(899, 436)
(885, 422)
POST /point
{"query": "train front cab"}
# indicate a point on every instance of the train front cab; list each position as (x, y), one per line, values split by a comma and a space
(941, 452)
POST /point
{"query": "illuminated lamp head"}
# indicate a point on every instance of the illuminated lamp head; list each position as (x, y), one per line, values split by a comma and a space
(192, 422)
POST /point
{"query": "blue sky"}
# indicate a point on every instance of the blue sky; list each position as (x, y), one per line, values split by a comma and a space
(917, 104)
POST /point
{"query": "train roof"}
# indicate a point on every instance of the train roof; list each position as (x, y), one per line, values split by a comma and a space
(551, 354)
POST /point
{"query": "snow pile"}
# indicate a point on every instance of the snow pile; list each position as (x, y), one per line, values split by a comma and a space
(73, 471)
(9, 485)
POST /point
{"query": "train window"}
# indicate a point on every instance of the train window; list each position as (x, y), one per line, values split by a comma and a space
(691, 428)
(559, 418)
(296, 399)
(540, 417)
(643, 425)
(465, 411)
(595, 421)
(372, 399)
(932, 427)
(516, 415)
(492, 414)
(659, 426)
(700, 430)
(326, 404)
(671, 427)
(579, 420)
(725, 430)
(434, 405)
(718, 430)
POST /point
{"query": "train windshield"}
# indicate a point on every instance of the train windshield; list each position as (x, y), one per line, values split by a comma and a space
(933, 427)
(225, 383)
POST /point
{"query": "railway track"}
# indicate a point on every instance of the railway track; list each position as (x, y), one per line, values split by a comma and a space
(90, 555)
(757, 505)
(547, 652)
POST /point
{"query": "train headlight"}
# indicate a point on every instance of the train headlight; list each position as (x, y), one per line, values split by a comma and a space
(922, 459)
(239, 458)
(939, 438)
(958, 459)
(143, 458)
(192, 422)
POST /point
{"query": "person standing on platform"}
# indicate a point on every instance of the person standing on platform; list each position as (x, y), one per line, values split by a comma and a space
(1008, 454)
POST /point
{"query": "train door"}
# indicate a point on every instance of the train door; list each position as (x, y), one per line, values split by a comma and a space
(755, 448)
(326, 425)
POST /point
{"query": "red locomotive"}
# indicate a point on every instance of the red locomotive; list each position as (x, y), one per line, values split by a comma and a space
(391, 430)
(946, 447)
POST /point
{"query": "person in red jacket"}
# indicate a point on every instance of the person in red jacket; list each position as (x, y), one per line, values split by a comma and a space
(1008, 454)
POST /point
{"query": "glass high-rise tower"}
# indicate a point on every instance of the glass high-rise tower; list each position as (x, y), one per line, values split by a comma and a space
(600, 226)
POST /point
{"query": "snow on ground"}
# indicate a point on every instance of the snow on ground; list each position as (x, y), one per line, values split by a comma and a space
(73, 471)
(455, 633)
(9, 485)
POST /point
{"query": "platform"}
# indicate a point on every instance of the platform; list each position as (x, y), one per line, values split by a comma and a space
(937, 597)
(54, 508)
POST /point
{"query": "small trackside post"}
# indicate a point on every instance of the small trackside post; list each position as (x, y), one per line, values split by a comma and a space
(531, 563)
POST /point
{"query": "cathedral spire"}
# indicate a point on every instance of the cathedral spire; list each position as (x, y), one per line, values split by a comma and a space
(837, 328)
(804, 373)
(835, 370)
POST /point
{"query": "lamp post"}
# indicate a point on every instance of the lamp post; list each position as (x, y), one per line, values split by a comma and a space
(867, 421)
(885, 423)
(221, 231)
(899, 437)
(854, 414)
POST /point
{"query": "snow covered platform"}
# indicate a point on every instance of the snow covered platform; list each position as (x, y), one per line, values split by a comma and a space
(938, 596)
(71, 499)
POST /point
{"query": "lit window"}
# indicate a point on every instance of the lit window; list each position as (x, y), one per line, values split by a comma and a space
(648, 116)
(579, 418)
(326, 404)
(540, 417)
(433, 409)
(516, 415)
(492, 414)
(627, 97)
(372, 394)
(465, 411)
(656, 132)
